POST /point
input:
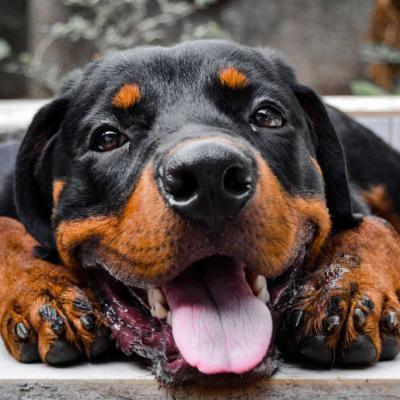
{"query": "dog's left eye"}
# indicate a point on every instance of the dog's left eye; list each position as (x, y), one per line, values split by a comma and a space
(267, 117)
(108, 140)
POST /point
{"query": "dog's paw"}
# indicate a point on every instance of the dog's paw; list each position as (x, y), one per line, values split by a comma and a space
(348, 311)
(49, 317)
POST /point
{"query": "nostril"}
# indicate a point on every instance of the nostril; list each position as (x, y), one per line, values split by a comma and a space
(181, 185)
(237, 180)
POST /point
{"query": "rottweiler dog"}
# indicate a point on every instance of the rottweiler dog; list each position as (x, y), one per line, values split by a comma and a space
(196, 204)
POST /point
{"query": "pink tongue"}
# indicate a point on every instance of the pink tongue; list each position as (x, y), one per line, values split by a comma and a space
(218, 324)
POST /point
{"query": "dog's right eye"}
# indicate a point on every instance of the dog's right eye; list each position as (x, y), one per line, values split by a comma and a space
(108, 140)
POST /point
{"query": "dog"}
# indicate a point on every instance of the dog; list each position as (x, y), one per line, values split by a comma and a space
(199, 206)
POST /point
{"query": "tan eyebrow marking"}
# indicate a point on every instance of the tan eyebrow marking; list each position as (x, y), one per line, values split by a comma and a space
(127, 96)
(58, 186)
(233, 78)
(316, 165)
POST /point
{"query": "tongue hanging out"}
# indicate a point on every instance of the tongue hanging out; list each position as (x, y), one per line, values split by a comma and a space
(218, 324)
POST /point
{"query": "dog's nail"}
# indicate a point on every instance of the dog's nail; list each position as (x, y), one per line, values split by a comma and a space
(368, 303)
(390, 321)
(359, 318)
(296, 319)
(334, 305)
(81, 305)
(22, 331)
(169, 318)
(57, 325)
(332, 323)
(47, 312)
(88, 322)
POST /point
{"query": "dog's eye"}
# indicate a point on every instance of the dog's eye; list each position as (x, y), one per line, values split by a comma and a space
(267, 117)
(109, 140)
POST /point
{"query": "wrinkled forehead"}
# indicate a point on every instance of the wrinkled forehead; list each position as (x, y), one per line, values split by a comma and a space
(169, 72)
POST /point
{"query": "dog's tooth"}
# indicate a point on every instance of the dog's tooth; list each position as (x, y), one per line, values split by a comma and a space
(259, 283)
(169, 318)
(263, 295)
(158, 296)
(155, 295)
(159, 311)
(150, 297)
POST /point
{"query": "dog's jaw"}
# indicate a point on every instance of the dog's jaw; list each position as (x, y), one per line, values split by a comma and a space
(136, 331)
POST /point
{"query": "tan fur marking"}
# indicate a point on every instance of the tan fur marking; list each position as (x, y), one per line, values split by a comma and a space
(58, 186)
(127, 96)
(233, 78)
(381, 204)
(316, 165)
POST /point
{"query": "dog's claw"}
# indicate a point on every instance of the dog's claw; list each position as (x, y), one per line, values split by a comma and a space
(22, 331)
(390, 321)
(368, 303)
(58, 325)
(332, 323)
(88, 322)
(359, 318)
(82, 305)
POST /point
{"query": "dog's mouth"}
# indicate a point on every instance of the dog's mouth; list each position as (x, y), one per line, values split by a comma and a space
(216, 317)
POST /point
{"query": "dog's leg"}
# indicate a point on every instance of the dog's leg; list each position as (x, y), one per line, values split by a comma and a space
(46, 311)
(348, 310)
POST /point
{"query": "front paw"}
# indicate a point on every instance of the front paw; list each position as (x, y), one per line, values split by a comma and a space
(52, 319)
(348, 311)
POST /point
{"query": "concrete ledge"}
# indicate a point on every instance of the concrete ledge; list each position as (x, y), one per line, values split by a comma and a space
(127, 380)
(366, 105)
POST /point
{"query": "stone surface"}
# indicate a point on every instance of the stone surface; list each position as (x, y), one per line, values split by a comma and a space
(127, 380)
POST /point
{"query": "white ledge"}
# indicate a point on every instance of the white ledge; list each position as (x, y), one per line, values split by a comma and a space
(116, 379)
(366, 105)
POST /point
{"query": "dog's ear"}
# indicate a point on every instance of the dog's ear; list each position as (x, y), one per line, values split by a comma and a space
(34, 169)
(330, 157)
(33, 180)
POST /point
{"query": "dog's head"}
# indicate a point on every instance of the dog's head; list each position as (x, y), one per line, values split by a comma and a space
(190, 182)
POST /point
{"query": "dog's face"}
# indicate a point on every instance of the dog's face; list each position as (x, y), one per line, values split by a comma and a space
(190, 182)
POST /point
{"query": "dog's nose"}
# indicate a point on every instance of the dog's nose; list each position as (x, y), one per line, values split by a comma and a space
(207, 181)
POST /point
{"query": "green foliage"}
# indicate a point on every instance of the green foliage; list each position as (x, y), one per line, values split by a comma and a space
(5, 49)
(110, 25)
(366, 88)
(380, 54)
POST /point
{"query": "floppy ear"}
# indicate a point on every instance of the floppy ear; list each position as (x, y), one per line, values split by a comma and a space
(330, 157)
(34, 171)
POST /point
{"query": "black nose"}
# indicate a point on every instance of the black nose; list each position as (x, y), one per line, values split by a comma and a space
(207, 180)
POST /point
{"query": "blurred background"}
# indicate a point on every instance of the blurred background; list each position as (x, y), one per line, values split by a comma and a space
(338, 47)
